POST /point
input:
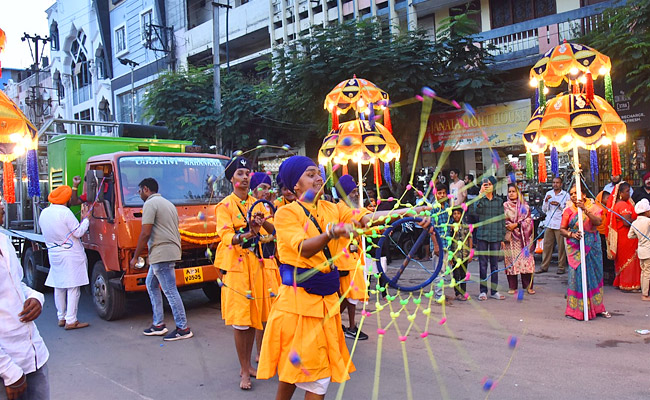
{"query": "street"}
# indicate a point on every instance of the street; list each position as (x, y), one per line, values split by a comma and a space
(555, 357)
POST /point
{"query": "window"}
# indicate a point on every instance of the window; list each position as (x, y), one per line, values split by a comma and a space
(54, 36)
(120, 40)
(146, 19)
(85, 115)
(508, 12)
(81, 77)
(123, 109)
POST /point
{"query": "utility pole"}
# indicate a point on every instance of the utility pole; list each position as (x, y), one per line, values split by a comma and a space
(37, 104)
(38, 113)
(217, 70)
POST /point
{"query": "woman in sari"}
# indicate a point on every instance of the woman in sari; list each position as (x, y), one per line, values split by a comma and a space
(519, 229)
(626, 262)
(591, 215)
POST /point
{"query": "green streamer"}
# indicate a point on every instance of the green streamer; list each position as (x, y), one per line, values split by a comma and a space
(609, 93)
(542, 96)
(398, 171)
(330, 181)
(529, 165)
(329, 123)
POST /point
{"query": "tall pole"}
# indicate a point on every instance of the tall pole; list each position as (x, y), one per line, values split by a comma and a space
(132, 96)
(583, 265)
(217, 72)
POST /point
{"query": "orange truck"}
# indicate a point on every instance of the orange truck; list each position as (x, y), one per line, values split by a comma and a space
(112, 168)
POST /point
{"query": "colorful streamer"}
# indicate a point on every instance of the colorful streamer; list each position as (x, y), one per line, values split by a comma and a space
(8, 186)
(33, 186)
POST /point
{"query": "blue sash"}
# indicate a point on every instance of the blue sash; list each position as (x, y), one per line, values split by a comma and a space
(320, 283)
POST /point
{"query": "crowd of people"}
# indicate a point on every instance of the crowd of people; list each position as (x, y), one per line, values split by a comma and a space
(291, 266)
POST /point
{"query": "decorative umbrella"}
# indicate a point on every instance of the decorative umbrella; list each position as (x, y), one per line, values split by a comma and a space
(355, 93)
(569, 58)
(357, 140)
(572, 121)
(3, 39)
(17, 136)
(364, 143)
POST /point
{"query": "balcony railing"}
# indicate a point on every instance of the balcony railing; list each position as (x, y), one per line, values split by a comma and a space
(531, 38)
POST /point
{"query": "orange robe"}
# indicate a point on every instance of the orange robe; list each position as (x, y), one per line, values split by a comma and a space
(353, 285)
(245, 297)
(300, 323)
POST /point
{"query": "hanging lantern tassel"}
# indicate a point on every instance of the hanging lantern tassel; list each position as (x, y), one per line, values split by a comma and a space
(536, 98)
(377, 173)
(387, 122)
(398, 171)
(33, 187)
(371, 115)
(593, 164)
(589, 87)
(540, 93)
(529, 165)
(329, 182)
(555, 162)
(8, 183)
(387, 173)
(541, 160)
(345, 168)
(335, 118)
(616, 160)
(329, 123)
(609, 94)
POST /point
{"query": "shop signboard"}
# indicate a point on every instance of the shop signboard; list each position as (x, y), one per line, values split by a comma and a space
(635, 116)
(502, 123)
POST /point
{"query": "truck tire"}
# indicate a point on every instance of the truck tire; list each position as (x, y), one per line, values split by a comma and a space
(212, 291)
(110, 302)
(34, 278)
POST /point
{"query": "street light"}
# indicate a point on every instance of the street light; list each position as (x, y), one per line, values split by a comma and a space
(132, 64)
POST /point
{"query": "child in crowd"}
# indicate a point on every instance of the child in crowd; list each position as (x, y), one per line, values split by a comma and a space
(441, 220)
(459, 247)
(641, 230)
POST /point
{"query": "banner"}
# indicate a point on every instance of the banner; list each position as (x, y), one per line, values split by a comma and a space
(503, 125)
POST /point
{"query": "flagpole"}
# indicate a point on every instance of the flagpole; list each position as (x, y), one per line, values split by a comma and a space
(583, 266)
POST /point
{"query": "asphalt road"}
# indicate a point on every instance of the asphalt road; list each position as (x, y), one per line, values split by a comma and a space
(555, 357)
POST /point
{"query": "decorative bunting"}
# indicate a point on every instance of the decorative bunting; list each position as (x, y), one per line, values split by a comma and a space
(616, 160)
(9, 189)
(541, 160)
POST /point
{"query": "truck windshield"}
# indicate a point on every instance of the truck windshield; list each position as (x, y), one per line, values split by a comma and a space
(181, 180)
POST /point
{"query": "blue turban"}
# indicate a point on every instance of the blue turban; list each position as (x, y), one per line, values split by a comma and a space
(292, 169)
(347, 185)
(258, 178)
(237, 163)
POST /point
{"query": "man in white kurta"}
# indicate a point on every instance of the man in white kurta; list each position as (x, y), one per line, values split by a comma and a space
(23, 354)
(68, 264)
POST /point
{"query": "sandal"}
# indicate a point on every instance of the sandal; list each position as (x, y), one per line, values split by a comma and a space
(512, 291)
(606, 314)
(482, 297)
(498, 296)
(531, 291)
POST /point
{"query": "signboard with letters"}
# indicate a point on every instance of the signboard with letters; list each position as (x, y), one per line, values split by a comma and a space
(503, 125)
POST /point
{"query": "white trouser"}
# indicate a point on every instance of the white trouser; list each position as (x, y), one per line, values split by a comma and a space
(67, 302)
(317, 387)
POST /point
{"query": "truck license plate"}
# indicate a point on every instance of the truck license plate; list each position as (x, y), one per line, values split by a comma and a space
(193, 275)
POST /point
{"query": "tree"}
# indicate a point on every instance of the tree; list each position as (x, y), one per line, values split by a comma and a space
(184, 101)
(624, 36)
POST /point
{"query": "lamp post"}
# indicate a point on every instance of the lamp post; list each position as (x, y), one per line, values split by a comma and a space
(132, 64)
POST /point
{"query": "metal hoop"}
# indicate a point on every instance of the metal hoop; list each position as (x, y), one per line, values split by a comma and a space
(394, 282)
